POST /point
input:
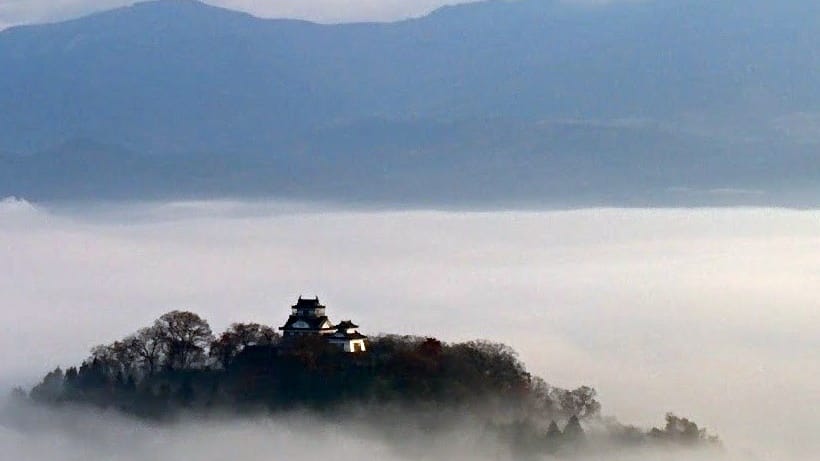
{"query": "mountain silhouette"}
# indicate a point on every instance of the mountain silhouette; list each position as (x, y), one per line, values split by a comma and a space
(496, 102)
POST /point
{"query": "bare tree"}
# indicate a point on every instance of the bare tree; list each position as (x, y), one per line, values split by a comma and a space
(682, 430)
(580, 402)
(239, 336)
(540, 394)
(149, 348)
(107, 359)
(186, 337)
(253, 334)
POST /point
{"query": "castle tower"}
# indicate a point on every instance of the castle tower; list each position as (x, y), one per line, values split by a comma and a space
(347, 337)
(307, 318)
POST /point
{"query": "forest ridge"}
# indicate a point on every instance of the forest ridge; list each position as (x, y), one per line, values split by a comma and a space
(178, 365)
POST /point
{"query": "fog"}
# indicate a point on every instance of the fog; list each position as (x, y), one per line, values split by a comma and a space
(77, 434)
(711, 313)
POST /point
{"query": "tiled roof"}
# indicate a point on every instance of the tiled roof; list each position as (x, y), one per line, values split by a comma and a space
(345, 324)
(314, 323)
(308, 303)
(342, 336)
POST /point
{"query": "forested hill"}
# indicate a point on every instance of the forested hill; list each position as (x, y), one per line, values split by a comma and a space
(178, 365)
(538, 101)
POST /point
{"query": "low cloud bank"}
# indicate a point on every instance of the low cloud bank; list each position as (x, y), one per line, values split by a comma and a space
(710, 313)
(35, 433)
(32, 433)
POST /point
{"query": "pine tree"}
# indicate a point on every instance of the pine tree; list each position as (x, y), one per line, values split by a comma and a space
(573, 430)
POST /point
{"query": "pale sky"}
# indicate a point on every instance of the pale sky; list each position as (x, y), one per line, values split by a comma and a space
(14, 12)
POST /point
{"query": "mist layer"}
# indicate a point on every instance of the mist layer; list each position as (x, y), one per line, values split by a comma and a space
(710, 313)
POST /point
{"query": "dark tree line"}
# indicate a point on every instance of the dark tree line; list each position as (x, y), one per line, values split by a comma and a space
(178, 363)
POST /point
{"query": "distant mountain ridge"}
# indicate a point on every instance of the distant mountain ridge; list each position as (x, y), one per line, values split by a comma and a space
(535, 100)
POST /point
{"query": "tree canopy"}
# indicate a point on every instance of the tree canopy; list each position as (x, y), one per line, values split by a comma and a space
(178, 363)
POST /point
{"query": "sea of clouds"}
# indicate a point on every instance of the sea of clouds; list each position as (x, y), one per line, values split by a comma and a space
(74, 434)
(711, 313)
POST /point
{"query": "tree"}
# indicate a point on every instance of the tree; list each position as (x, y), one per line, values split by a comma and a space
(541, 396)
(18, 394)
(186, 336)
(239, 336)
(431, 347)
(680, 430)
(573, 430)
(51, 388)
(149, 347)
(553, 432)
(580, 402)
(124, 358)
(553, 438)
(106, 359)
(489, 365)
(92, 374)
(71, 376)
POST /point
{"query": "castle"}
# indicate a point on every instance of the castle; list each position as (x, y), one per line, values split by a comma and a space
(308, 317)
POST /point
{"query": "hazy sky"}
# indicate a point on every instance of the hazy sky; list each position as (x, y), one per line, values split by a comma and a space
(710, 313)
(31, 11)
(13, 12)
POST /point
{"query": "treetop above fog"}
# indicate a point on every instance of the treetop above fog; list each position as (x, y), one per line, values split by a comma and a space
(177, 363)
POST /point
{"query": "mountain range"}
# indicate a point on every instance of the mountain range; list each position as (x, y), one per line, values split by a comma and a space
(535, 102)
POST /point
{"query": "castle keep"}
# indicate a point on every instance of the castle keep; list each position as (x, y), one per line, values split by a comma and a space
(308, 317)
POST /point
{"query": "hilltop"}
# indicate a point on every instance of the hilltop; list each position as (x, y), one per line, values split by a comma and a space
(178, 366)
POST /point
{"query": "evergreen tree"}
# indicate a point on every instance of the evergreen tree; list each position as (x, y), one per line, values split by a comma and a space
(573, 430)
